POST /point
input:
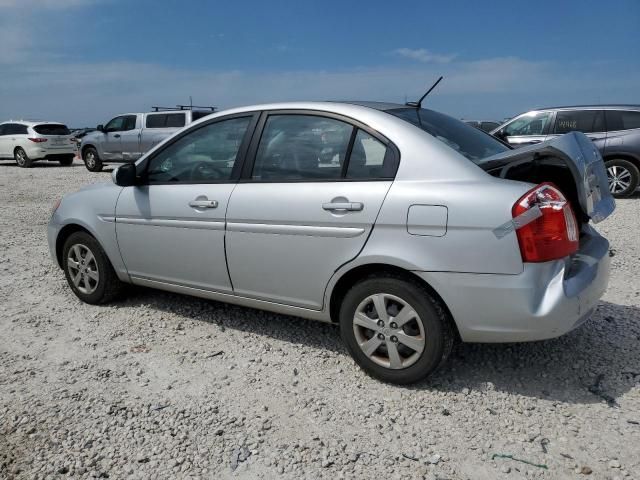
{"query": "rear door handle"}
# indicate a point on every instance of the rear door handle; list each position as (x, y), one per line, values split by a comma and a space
(117, 135)
(203, 204)
(346, 206)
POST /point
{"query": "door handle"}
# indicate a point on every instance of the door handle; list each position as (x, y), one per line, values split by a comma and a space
(203, 204)
(117, 135)
(346, 206)
(535, 141)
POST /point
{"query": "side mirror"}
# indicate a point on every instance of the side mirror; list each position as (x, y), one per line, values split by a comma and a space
(125, 175)
(100, 128)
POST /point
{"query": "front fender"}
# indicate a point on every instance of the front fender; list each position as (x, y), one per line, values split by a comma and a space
(92, 209)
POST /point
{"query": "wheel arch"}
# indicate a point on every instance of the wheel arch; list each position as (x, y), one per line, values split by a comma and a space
(623, 156)
(357, 273)
(64, 233)
(84, 148)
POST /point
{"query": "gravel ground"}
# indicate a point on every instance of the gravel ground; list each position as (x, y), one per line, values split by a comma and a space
(164, 386)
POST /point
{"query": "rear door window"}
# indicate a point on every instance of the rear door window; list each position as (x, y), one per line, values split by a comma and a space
(301, 147)
(52, 129)
(16, 129)
(622, 120)
(165, 120)
(586, 121)
(175, 120)
(156, 121)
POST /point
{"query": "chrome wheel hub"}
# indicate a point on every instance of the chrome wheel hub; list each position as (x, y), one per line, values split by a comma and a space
(619, 179)
(83, 268)
(90, 159)
(389, 331)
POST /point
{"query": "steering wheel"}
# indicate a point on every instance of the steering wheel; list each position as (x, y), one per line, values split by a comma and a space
(204, 171)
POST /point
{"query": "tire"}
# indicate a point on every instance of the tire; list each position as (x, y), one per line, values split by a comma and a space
(92, 159)
(66, 161)
(431, 327)
(101, 287)
(21, 158)
(623, 177)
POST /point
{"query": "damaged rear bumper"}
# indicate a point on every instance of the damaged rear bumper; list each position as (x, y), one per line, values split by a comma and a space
(546, 300)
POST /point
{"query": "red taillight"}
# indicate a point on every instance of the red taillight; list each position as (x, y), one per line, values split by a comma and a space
(553, 232)
(38, 140)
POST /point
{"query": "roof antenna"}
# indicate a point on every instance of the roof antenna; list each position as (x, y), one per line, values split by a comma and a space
(418, 104)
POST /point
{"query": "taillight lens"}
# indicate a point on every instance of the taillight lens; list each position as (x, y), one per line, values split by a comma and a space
(38, 140)
(553, 233)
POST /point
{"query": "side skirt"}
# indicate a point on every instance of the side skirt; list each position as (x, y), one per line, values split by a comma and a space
(235, 299)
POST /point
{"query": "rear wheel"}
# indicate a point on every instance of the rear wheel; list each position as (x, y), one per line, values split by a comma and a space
(22, 159)
(623, 177)
(88, 270)
(395, 329)
(92, 160)
(66, 161)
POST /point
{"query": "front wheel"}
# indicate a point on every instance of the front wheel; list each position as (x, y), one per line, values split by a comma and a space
(92, 160)
(88, 270)
(22, 159)
(623, 177)
(395, 329)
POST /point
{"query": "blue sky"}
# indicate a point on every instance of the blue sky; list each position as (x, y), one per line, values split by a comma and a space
(83, 61)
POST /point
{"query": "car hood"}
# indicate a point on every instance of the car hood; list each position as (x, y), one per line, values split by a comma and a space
(580, 156)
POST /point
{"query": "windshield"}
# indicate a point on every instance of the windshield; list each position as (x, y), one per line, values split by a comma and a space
(464, 139)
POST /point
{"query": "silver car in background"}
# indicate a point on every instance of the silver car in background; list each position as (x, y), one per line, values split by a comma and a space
(404, 226)
(125, 138)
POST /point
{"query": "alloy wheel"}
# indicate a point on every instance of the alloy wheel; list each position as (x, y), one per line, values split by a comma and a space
(21, 157)
(90, 159)
(389, 331)
(619, 178)
(83, 268)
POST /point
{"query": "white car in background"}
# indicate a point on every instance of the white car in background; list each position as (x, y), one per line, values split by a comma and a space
(27, 142)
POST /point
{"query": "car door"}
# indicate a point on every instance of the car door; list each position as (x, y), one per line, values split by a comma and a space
(526, 129)
(171, 227)
(305, 205)
(111, 143)
(589, 122)
(130, 138)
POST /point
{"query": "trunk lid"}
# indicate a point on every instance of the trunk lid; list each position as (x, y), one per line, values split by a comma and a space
(574, 151)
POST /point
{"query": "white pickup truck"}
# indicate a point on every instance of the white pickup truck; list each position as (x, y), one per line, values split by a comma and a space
(127, 137)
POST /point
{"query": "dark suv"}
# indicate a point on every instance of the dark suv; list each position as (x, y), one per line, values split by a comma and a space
(615, 130)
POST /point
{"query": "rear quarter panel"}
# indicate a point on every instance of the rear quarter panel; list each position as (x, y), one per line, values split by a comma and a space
(474, 210)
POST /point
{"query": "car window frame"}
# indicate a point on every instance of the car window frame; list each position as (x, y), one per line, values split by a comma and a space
(247, 170)
(610, 111)
(143, 166)
(106, 126)
(545, 130)
(552, 129)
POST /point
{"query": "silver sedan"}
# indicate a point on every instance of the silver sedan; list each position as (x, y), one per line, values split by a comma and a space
(406, 227)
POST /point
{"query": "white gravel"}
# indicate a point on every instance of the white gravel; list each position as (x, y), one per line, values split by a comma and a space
(164, 386)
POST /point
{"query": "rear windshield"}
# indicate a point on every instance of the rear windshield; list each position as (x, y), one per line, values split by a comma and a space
(52, 129)
(464, 139)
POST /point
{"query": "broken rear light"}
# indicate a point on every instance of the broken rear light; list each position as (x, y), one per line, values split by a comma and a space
(548, 229)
